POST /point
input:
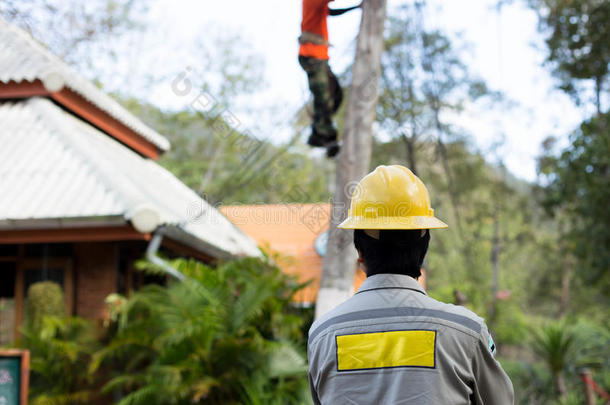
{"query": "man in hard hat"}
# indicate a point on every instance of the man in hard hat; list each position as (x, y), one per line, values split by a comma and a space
(323, 84)
(390, 343)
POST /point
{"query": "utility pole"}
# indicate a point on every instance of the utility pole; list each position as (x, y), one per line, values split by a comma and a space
(353, 162)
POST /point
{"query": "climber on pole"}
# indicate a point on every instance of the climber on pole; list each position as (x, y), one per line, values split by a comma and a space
(323, 84)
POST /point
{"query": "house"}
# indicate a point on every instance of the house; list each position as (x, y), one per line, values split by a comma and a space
(298, 234)
(81, 194)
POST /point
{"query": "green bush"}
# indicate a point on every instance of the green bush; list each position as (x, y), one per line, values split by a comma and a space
(225, 335)
(45, 298)
(61, 350)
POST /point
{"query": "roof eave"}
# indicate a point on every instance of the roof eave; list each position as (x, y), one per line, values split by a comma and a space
(186, 238)
(66, 222)
(64, 230)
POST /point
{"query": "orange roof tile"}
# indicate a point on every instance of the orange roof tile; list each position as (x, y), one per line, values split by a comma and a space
(289, 230)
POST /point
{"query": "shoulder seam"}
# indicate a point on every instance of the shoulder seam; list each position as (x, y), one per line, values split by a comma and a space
(462, 320)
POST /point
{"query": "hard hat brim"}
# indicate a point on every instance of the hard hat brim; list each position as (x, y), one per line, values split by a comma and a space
(421, 222)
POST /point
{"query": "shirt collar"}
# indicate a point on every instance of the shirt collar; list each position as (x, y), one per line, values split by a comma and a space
(389, 281)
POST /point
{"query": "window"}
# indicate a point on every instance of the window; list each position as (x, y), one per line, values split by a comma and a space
(9, 250)
(7, 279)
(48, 250)
(20, 267)
(35, 275)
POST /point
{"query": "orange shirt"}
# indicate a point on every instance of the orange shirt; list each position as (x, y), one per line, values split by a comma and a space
(314, 21)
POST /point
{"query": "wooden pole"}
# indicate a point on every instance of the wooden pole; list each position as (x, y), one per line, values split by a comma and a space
(22, 390)
(585, 377)
(353, 162)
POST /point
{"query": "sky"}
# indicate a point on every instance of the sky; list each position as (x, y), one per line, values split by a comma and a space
(506, 50)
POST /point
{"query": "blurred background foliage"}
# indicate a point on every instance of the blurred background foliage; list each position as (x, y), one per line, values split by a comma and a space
(532, 258)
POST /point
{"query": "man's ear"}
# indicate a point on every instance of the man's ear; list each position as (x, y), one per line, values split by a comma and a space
(360, 258)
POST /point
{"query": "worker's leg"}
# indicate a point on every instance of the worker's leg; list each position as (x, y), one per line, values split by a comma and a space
(317, 74)
(336, 92)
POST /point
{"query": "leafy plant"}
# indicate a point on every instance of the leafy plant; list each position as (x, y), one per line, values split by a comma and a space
(60, 350)
(222, 336)
(555, 343)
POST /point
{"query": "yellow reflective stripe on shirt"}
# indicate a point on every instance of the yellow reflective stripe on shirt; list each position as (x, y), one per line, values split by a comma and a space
(401, 348)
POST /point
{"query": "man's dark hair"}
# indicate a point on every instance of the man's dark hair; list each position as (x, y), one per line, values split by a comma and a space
(396, 251)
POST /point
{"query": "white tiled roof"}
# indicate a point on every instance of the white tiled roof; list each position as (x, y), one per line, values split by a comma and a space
(22, 59)
(53, 165)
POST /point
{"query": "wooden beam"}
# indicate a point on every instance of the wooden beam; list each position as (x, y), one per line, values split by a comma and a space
(69, 283)
(22, 89)
(19, 294)
(90, 113)
(99, 234)
(25, 377)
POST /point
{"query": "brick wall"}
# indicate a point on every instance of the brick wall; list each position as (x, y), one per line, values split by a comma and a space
(96, 276)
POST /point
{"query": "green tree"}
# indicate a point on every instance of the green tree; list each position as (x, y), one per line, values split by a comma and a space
(578, 42)
(223, 336)
(423, 78)
(401, 106)
(578, 186)
(575, 182)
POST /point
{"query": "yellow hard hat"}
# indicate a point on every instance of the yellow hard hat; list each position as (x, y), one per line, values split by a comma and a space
(391, 197)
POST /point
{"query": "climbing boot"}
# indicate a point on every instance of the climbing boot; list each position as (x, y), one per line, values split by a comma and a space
(332, 149)
(321, 139)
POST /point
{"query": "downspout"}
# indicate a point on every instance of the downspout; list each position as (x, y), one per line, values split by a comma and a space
(151, 255)
(145, 218)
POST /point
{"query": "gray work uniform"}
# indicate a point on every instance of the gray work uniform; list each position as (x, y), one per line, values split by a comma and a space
(392, 344)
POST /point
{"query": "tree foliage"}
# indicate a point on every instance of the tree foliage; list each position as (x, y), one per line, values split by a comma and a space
(423, 78)
(578, 41)
(578, 188)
